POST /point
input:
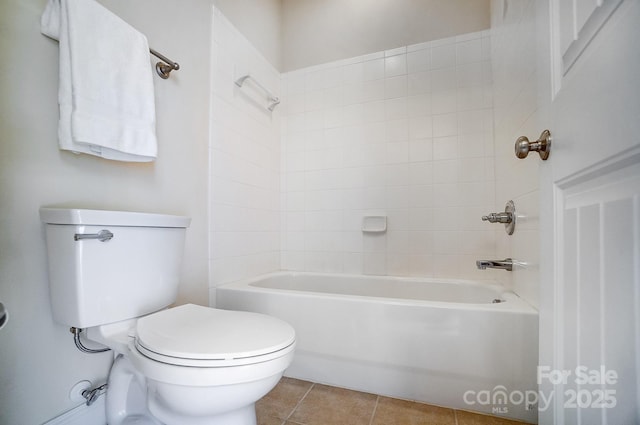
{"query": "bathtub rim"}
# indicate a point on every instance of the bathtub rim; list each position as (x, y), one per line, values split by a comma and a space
(513, 304)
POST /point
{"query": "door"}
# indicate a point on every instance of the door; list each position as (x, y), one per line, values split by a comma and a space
(590, 212)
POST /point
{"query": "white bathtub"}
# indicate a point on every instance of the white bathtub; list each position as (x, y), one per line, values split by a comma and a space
(439, 341)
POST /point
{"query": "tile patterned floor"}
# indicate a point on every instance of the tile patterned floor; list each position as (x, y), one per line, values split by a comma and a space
(296, 402)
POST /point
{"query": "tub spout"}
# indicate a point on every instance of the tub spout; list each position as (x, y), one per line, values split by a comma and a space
(506, 264)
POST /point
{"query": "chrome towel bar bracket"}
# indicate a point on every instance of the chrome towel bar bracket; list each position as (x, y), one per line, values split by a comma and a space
(164, 69)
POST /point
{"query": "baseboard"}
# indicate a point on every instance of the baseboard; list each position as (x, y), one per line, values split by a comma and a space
(82, 415)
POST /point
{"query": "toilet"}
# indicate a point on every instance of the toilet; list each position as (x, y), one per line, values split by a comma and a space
(113, 274)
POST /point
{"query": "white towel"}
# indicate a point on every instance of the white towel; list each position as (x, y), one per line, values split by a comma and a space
(106, 97)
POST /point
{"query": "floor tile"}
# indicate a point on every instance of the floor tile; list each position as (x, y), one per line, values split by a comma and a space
(276, 406)
(296, 402)
(469, 418)
(265, 420)
(392, 411)
(326, 405)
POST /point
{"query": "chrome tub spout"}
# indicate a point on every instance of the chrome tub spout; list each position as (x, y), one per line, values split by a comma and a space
(506, 264)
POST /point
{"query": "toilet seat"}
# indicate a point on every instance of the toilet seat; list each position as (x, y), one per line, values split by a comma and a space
(196, 336)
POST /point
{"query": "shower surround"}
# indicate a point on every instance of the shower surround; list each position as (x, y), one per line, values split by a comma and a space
(406, 133)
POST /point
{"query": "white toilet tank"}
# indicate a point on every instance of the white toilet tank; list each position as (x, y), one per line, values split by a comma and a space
(133, 273)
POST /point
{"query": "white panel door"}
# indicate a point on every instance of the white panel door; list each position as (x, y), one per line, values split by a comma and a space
(590, 212)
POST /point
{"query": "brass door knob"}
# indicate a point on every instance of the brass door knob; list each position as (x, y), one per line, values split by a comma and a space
(542, 146)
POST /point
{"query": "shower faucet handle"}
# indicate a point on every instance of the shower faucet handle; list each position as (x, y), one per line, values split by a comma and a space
(503, 217)
(508, 217)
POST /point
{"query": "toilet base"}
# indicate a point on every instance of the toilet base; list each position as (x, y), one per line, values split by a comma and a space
(130, 401)
(126, 394)
(219, 405)
(138, 420)
(243, 416)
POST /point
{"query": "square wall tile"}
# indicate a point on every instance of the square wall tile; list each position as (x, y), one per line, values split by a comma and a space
(445, 125)
(353, 263)
(395, 65)
(398, 264)
(443, 56)
(375, 263)
(395, 87)
(446, 148)
(419, 60)
(395, 108)
(421, 150)
(421, 127)
(353, 73)
(419, 83)
(374, 69)
(469, 51)
(443, 79)
(419, 105)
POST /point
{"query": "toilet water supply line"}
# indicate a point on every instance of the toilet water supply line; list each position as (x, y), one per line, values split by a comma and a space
(90, 395)
(81, 347)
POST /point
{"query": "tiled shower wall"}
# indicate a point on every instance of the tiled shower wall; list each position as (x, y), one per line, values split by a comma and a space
(244, 161)
(513, 40)
(405, 133)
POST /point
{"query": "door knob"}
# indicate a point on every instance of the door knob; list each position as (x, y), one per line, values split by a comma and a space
(542, 146)
(4, 315)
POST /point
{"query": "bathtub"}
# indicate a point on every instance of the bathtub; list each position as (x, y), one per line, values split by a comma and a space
(452, 343)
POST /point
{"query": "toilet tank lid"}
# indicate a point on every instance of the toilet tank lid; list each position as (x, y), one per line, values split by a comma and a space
(75, 216)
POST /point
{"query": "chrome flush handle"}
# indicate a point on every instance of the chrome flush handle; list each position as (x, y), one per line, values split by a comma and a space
(103, 236)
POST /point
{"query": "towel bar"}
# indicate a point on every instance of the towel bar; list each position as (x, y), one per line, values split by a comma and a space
(270, 97)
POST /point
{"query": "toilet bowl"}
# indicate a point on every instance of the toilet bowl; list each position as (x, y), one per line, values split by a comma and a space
(194, 365)
(113, 274)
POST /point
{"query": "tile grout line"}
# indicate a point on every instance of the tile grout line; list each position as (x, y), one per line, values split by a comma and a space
(375, 407)
(455, 416)
(299, 402)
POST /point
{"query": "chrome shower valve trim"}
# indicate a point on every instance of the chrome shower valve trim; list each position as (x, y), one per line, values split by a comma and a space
(508, 218)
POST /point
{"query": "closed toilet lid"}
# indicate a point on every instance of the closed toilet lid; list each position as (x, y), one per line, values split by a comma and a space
(202, 333)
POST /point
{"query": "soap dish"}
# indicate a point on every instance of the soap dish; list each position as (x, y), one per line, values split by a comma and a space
(374, 224)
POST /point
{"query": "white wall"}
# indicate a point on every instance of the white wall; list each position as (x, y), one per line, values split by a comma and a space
(245, 161)
(321, 31)
(260, 21)
(406, 133)
(515, 82)
(38, 361)
(293, 34)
